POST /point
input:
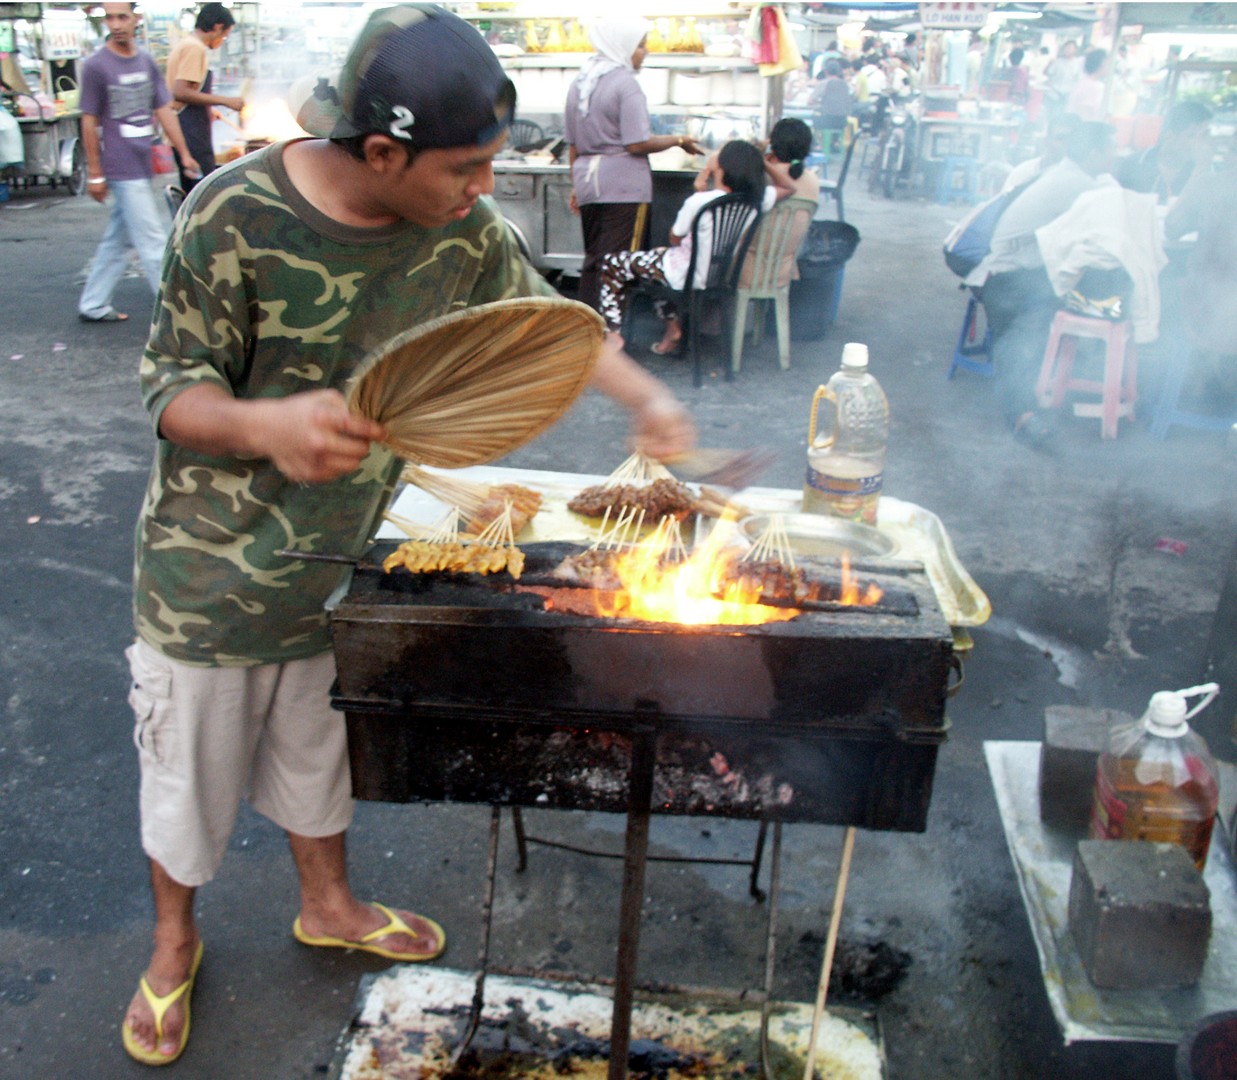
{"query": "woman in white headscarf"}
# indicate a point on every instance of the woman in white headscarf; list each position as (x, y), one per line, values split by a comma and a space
(607, 128)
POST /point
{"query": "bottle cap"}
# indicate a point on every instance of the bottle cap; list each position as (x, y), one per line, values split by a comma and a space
(854, 355)
(1167, 713)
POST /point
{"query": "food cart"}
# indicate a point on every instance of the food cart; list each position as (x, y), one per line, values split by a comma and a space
(42, 44)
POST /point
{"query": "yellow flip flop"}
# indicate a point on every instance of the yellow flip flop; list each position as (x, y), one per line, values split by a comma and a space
(394, 925)
(159, 1006)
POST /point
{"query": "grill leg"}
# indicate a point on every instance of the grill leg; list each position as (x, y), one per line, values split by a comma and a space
(635, 853)
(775, 883)
(483, 959)
(521, 841)
(753, 882)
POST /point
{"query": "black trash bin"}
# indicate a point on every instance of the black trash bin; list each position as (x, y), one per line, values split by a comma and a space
(827, 247)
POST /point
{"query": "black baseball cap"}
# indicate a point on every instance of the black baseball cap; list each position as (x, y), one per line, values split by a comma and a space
(416, 72)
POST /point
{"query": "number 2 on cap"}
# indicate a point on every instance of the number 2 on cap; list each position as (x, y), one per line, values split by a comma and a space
(402, 122)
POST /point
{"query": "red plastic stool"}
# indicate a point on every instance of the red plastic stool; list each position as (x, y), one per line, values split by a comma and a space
(1118, 388)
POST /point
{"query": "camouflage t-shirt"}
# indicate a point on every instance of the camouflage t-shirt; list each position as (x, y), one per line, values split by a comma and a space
(266, 297)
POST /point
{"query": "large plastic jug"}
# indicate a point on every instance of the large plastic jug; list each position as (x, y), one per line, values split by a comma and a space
(1157, 780)
(847, 441)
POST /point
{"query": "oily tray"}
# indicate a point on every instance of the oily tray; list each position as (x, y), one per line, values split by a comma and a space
(816, 536)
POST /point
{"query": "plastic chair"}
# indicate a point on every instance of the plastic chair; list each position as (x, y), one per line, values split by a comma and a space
(832, 189)
(524, 133)
(766, 275)
(972, 353)
(1117, 389)
(734, 218)
(1168, 412)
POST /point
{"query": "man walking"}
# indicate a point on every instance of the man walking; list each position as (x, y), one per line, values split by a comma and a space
(122, 96)
(287, 267)
(190, 79)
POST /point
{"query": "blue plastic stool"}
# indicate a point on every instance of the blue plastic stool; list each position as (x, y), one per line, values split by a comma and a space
(969, 354)
(954, 168)
(1167, 411)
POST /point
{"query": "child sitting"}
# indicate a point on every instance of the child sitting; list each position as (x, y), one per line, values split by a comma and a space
(742, 169)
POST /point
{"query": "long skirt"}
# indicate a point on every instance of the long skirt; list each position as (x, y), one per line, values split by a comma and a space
(607, 227)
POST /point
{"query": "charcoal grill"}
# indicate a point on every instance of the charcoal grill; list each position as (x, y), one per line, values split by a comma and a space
(473, 689)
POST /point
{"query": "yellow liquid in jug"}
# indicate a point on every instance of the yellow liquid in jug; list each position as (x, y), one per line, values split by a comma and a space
(1125, 809)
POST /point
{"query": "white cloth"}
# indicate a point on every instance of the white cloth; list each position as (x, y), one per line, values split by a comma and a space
(1013, 244)
(1105, 228)
(615, 40)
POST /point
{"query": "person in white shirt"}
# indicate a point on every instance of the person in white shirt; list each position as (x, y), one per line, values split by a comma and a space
(742, 171)
(1059, 131)
(1017, 295)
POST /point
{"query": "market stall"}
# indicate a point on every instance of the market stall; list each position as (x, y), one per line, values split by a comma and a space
(41, 45)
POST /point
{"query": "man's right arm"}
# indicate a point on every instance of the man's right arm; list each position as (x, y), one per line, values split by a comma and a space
(97, 184)
(310, 437)
(188, 93)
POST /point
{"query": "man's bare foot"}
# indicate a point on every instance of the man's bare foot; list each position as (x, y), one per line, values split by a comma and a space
(409, 936)
(171, 966)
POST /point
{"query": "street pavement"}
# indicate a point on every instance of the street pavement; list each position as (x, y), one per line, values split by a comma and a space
(1089, 609)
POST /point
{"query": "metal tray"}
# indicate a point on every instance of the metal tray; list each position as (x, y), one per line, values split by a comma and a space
(919, 535)
(816, 536)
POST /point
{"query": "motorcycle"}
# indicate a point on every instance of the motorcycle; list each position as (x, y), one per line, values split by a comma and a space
(895, 124)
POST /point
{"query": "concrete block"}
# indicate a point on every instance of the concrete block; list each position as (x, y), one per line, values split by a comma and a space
(1140, 914)
(1073, 740)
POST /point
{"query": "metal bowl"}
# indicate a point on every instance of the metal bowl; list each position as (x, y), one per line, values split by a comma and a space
(815, 536)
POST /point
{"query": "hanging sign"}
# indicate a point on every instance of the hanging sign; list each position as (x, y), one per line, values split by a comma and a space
(62, 35)
(960, 16)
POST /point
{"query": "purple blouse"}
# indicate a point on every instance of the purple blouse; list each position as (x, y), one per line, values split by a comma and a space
(618, 115)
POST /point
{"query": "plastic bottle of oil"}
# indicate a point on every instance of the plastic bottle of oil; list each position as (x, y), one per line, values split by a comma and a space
(846, 442)
(1157, 780)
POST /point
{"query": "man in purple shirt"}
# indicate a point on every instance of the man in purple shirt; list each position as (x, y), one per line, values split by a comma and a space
(123, 93)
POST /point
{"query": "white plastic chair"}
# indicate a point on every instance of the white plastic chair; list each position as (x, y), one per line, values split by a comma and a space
(767, 272)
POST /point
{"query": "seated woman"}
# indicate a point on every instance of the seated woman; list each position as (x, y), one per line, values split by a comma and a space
(786, 149)
(790, 142)
(742, 171)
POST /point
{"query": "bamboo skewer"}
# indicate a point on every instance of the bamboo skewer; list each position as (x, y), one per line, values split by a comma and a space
(773, 544)
(826, 967)
(468, 496)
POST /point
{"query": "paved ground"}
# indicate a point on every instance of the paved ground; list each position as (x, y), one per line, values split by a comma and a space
(1087, 612)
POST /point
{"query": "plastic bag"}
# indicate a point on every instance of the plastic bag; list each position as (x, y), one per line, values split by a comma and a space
(12, 149)
(161, 159)
(37, 104)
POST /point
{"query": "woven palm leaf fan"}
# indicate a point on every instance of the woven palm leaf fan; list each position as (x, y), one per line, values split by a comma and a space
(473, 385)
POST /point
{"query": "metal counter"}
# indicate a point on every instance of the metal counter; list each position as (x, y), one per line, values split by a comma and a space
(536, 201)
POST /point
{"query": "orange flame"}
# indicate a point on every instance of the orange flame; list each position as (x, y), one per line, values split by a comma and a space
(850, 587)
(691, 592)
(271, 119)
(703, 589)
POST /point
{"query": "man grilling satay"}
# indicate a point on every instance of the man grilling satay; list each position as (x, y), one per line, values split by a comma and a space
(285, 269)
